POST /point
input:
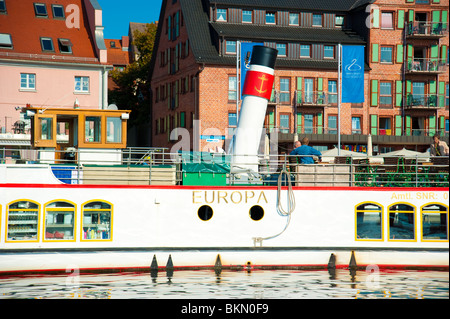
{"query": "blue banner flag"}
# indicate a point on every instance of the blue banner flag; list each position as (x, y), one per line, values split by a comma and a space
(246, 54)
(352, 74)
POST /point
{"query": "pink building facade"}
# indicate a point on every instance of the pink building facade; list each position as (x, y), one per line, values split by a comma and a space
(60, 62)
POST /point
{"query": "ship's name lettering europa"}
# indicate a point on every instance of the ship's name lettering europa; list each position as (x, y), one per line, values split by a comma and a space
(227, 197)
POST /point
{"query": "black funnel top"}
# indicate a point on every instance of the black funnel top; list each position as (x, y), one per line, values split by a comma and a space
(264, 56)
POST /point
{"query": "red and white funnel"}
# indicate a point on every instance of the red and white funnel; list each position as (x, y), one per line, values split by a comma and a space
(256, 94)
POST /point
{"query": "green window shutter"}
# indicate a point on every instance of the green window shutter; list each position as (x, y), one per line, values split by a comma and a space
(182, 119)
(432, 125)
(441, 125)
(271, 121)
(299, 90)
(411, 16)
(320, 123)
(375, 52)
(398, 93)
(401, 19)
(434, 51)
(410, 1)
(376, 18)
(398, 125)
(374, 124)
(436, 18)
(444, 19)
(408, 125)
(434, 1)
(432, 87)
(399, 53)
(374, 96)
(272, 96)
(441, 96)
(320, 84)
(299, 122)
(443, 54)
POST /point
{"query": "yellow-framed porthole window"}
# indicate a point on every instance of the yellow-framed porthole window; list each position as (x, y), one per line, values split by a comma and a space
(97, 220)
(402, 222)
(434, 222)
(59, 216)
(22, 218)
(369, 222)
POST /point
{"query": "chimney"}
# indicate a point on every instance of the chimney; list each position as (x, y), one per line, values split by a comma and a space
(125, 42)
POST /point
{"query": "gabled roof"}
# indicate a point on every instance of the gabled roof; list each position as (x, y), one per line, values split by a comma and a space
(27, 29)
(116, 55)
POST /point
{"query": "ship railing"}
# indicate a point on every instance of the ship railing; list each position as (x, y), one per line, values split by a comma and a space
(157, 166)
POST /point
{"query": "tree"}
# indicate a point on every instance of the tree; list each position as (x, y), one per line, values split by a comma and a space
(133, 92)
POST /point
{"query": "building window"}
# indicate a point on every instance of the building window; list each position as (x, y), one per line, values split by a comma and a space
(27, 81)
(285, 95)
(59, 221)
(309, 123)
(58, 11)
(305, 51)
(281, 47)
(65, 46)
(81, 84)
(434, 222)
(232, 123)
(47, 45)
(232, 88)
(46, 128)
(293, 19)
(317, 20)
(284, 123)
(402, 224)
(247, 16)
(387, 20)
(332, 92)
(385, 127)
(385, 94)
(230, 47)
(2, 6)
(270, 18)
(92, 129)
(356, 125)
(221, 15)
(5, 41)
(386, 54)
(446, 95)
(97, 221)
(332, 124)
(339, 21)
(328, 52)
(369, 221)
(40, 9)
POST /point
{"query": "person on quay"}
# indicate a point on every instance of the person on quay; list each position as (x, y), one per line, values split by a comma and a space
(306, 152)
(439, 148)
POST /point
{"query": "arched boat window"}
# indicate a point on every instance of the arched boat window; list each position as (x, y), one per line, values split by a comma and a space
(402, 222)
(23, 221)
(434, 222)
(59, 217)
(369, 222)
(205, 213)
(97, 221)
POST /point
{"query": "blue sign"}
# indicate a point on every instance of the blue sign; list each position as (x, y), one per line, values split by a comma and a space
(352, 74)
(246, 54)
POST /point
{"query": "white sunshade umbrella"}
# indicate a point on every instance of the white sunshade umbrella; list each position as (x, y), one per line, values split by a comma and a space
(405, 153)
(328, 156)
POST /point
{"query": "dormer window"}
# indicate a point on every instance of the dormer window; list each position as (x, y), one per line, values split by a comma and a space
(293, 18)
(58, 11)
(5, 41)
(40, 10)
(270, 17)
(247, 16)
(65, 46)
(2, 6)
(221, 15)
(47, 44)
(317, 20)
(112, 44)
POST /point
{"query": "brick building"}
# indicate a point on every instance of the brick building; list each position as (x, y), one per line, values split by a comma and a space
(193, 74)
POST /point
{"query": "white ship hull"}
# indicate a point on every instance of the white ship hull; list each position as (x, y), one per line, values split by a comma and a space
(163, 222)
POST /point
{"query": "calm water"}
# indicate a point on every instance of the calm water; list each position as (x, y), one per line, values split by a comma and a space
(232, 285)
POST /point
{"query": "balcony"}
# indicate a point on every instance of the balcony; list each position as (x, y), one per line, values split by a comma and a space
(314, 98)
(426, 66)
(425, 101)
(426, 30)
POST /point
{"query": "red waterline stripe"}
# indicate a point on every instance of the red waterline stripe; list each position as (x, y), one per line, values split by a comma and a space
(309, 267)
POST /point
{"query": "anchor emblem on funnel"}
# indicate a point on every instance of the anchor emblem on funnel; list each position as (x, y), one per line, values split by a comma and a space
(263, 80)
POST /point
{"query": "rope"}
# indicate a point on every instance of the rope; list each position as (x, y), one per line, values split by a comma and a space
(290, 201)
